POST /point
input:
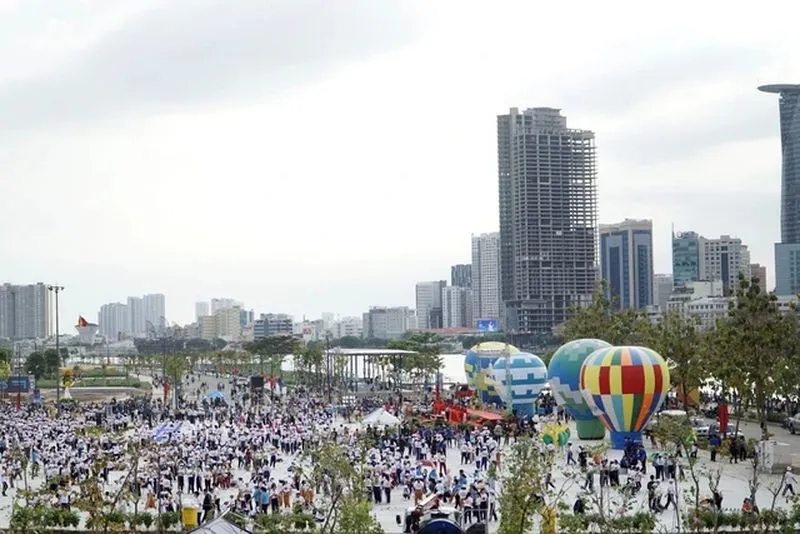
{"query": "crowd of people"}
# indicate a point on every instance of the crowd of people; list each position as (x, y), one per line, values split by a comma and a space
(245, 453)
(234, 454)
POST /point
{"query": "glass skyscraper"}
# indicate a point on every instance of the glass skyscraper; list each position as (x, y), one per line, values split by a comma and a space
(626, 262)
(685, 258)
(787, 252)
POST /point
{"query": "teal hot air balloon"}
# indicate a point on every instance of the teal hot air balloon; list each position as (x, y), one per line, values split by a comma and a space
(565, 373)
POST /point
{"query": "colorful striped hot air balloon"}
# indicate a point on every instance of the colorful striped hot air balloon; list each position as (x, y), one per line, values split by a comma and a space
(624, 387)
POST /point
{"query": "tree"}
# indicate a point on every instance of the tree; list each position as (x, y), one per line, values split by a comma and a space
(679, 342)
(36, 365)
(5, 355)
(602, 320)
(348, 342)
(525, 493)
(717, 350)
(356, 516)
(5, 370)
(424, 360)
(343, 489)
(174, 367)
(52, 362)
(309, 362)
(761, 342)
(273, 348)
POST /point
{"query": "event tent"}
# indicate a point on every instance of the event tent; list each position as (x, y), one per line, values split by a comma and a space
(219, 526)
(380, 417)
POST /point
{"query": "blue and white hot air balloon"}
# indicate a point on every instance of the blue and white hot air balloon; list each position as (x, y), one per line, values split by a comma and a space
(519, 378)
(478, 367)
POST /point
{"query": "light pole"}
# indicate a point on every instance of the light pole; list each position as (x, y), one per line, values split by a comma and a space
(57, 290)
(328, 365)
(19, 374)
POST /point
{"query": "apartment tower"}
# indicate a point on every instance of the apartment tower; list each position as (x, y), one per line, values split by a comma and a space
(548, 217)
(486, 301)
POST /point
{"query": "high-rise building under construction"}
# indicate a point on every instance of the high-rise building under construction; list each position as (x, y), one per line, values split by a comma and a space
(548, 218)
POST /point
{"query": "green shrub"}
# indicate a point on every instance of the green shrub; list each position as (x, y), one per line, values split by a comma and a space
(141, 519)
(110, 372)
(24, 518)
(767, 521)
(776, 417)
(640, 522)
(237, 519)
(70, 518)
(169, 520)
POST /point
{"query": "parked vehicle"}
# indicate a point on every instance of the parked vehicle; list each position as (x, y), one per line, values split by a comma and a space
(714, 429)
(793, 423)
(701, 427)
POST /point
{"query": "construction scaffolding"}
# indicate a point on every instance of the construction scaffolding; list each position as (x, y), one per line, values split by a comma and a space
(548, 217)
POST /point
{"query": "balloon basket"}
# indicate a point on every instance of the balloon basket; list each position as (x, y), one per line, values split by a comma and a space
(590, 429)
(620, 439)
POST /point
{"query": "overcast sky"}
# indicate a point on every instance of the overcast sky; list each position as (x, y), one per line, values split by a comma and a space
(316, 155)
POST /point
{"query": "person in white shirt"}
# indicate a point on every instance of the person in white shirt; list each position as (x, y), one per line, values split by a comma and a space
(671, 491)
(789, 480)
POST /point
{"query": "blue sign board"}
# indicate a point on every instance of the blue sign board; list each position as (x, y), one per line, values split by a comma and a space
(487, 325)
(15, 384)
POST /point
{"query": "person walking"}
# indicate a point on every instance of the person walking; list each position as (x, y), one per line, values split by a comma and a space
(789, 480)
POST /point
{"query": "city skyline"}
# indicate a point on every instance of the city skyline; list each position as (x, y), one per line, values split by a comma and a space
(144, 165)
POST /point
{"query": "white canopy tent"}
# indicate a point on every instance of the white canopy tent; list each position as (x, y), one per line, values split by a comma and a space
(380, 417)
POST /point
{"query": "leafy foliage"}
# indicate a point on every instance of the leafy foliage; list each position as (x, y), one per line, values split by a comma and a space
(639, 522)
(273, 349)
(36, 365)
(601, 320)
(425, 360)
(344, 492)
(5, 370)
(524, 488)
(678, 340)
(356, 516)
(762, 342)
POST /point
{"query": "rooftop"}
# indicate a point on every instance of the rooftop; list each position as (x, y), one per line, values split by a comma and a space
(370, 352)
(780, 88)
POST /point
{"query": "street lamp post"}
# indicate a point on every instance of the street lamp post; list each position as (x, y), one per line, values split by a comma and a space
(57, 289)
(19, 374)
(328, 365)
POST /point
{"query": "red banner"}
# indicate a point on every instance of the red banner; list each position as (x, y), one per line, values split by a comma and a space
(724, 418)
(457, 415)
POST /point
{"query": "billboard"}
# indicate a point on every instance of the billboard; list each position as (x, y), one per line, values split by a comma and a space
(487, 325)
(16, 384)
